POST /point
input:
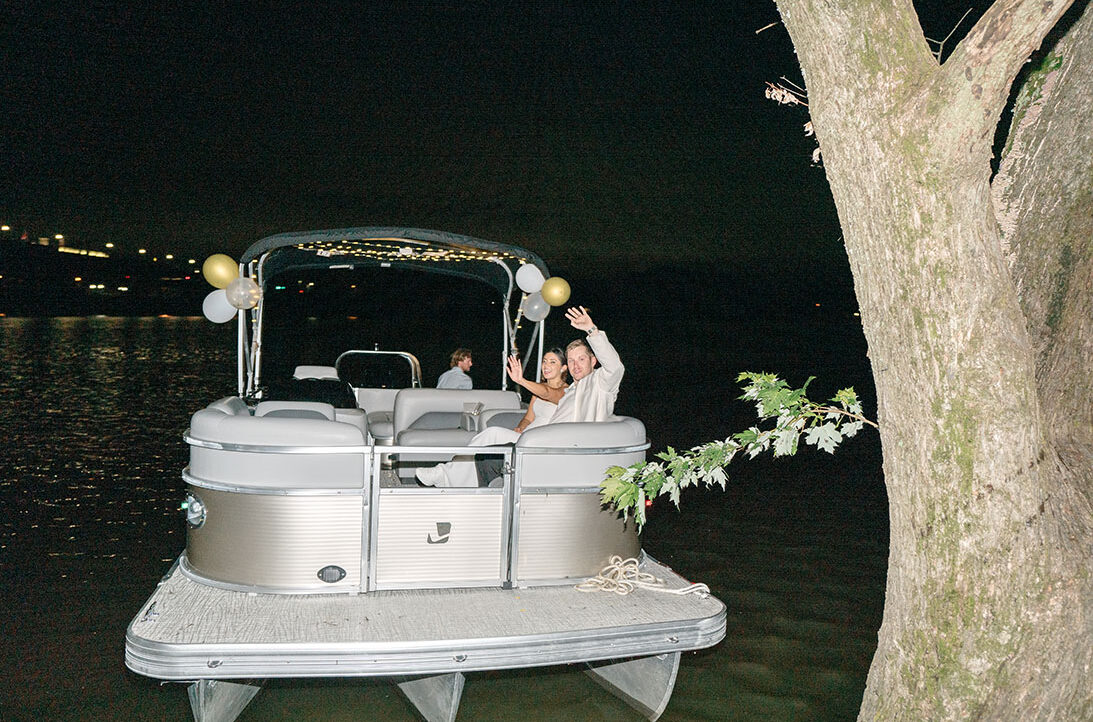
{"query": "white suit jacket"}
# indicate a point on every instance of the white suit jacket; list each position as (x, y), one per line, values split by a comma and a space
(593, 397)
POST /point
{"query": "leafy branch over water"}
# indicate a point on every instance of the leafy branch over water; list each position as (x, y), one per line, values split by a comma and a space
(796, 416)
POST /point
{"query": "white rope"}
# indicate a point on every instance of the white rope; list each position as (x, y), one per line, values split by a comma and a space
(623, 576)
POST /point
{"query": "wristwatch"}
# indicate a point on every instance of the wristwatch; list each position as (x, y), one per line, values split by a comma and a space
(592, 330)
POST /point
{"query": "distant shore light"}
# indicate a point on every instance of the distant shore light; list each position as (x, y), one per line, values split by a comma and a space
(5, 228)
(142, 251)
(170, 256)
(58, 237)
(109, 245)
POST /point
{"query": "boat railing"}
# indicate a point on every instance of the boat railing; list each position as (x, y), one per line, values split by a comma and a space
(373, 471)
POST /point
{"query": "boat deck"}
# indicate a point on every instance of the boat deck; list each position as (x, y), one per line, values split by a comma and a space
(189, 631)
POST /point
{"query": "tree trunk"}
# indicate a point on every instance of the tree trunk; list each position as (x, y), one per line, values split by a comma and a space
(989, 603)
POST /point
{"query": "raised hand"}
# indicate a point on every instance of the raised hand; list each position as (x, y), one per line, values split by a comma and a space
(515, 369)
(579, 318)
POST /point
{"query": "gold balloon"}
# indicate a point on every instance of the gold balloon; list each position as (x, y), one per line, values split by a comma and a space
(555, 290)
(220, 270)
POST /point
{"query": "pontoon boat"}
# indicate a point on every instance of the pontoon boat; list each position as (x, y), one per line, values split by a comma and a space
(312, 551)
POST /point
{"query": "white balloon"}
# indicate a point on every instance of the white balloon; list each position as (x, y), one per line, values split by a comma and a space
(216, 307)
(535, 307)
(243, 293)
(529, 278)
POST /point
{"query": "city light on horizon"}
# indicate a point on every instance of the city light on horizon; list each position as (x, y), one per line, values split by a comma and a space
(90, 238)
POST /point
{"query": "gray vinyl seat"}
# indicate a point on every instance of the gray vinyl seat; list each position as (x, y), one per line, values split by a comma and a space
(420, 413)
(379, 406)
(276, 424)
(549, 470)
(435, 417)
(312, 410)
(323, 373)
(504, 418)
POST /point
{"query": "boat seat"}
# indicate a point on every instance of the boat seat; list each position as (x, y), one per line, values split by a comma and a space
(443, 408)
(546, 470)
(311, 410)
(295, 409)
(505, 418)
(271, 428)
(379, 405)
(382, 424)
(325, 373)
(306, 409)
(435, 417)
(232, 405)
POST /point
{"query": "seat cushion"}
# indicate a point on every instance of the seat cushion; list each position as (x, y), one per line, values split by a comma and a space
(381, 424)
(438, 420)
(435, 437)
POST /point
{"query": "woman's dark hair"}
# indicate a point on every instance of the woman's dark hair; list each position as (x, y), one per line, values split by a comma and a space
(566, 378)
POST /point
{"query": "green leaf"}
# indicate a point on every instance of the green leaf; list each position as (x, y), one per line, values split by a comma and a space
(785, 442)
(852, 428)
(825, 436)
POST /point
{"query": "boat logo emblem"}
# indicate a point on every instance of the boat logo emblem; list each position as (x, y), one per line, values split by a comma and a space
(443, 531)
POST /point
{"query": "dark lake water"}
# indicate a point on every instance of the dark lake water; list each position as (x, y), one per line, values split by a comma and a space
(94, 411)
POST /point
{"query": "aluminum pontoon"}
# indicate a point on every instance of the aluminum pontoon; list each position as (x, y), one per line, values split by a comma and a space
(312, 551)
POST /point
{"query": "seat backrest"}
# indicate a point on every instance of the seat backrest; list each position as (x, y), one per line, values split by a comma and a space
(231, 405)
(445, 407)
(315, 372)
(505, 418)
(265, 469)
(376, 400)
(539, 470)
(295, 410)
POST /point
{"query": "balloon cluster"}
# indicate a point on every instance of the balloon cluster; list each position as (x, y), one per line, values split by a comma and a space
(542, 293)
(234, 293)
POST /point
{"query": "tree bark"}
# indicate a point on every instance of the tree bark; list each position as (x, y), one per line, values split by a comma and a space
(980, 353)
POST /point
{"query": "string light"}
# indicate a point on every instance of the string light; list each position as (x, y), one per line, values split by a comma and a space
(402, 250)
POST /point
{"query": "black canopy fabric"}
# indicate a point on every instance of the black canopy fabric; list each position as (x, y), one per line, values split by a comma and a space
(413, 248)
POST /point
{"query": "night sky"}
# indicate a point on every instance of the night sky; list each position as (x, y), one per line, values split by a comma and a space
(605, 133)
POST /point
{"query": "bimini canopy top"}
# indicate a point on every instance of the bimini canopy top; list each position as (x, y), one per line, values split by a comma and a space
(413, 248)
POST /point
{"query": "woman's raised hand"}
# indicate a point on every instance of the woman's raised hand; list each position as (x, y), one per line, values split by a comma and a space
(515, 369)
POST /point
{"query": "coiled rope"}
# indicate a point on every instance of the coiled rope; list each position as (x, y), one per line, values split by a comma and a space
(623, 576)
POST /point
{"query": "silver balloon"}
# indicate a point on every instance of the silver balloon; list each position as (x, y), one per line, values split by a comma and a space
(216, 307)
(535, 307)
(529, 278)
(243, 293)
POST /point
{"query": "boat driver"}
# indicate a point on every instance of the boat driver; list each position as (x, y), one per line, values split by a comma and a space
(456, 376)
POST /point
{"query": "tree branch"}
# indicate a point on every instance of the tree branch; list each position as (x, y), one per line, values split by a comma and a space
(984, 64)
